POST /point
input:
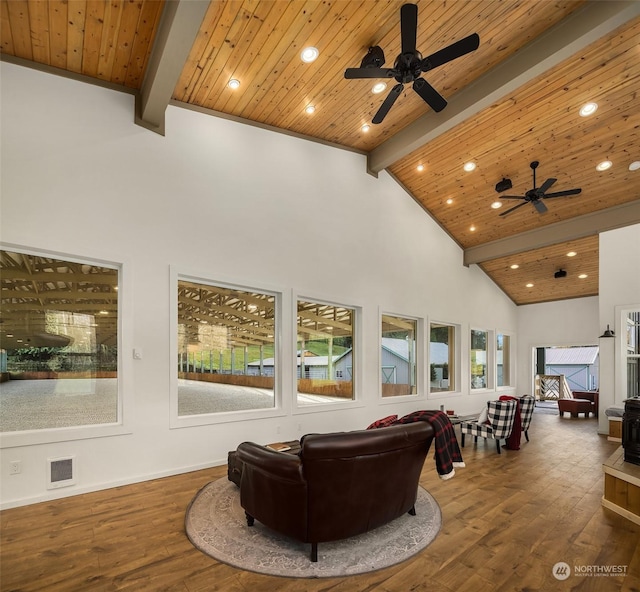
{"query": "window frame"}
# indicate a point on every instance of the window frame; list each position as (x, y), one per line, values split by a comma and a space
(621, 355)
(125, 362)
(457, 359)
(419, 357)
(176, 421)
(510, 365)
(357, 356)
(489, 364)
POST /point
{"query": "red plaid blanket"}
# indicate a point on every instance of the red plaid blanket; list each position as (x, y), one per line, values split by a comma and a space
(447, 451)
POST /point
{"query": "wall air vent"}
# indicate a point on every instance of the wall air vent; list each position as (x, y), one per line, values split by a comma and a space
(61, 472)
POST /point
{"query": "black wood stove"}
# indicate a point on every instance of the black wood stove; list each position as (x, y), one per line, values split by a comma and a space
(631, 431)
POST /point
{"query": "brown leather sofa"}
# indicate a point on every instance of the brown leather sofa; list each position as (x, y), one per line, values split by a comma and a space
(338, 485)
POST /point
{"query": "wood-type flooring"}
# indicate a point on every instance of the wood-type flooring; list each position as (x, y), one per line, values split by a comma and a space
(507, 520)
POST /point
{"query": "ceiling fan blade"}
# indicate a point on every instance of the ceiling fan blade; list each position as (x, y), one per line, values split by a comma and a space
(512, 197)
(408, 27)
(538, 205)
(451, 52)
(430, 95)
(388, 103)
(354, 73)
(563, 193)
(546, 185)
(524, 203)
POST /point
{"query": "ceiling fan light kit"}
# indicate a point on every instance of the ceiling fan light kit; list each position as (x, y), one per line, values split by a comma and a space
(409, 65)
(561, 273)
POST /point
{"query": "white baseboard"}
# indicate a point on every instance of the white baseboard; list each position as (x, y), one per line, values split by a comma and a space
(80, 490)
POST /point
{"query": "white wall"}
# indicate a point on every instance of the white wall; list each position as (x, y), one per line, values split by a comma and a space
(619, 290)
(583, 320)
(564, 322)
(226, 201)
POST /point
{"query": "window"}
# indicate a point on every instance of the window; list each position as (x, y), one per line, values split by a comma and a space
(226, 349)
(632, 351)
(398, 356)
(59, 343)
(442, 358)
(325, 353)
(480, 378)
(503, 360)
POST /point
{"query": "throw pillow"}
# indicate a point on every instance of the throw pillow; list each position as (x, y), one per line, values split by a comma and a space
(383, 423)
(484, 415)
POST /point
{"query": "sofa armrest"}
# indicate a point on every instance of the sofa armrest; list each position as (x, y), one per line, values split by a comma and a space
(279, 465)
(273, 489)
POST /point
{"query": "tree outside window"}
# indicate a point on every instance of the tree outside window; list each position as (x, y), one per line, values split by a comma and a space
(479, 366)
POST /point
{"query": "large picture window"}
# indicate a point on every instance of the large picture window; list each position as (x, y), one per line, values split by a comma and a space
(503, 360)
(325, 353)
(398, 356)
(442, 358)
(480, 378)
(58, 343)
(226, 349)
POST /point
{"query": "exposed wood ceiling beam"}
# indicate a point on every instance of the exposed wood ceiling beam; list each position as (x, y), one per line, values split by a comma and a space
(574, 34)
(586, 225)
(179, 26)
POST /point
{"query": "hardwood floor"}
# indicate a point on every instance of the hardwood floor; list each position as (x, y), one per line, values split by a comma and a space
(507, 519)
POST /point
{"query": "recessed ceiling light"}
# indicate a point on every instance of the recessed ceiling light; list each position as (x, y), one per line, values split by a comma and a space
(449, 201)
(420, 168)
(583, 275)
(233, 84)
(496, 204)
(378, 88)
(635, 165)
(604, 165)
(472, 228)
(588, 109)
(571, 254)
(309, 109)
(309, 54)
(515, 266)
(365, 128)
(529, 285)
(469, 166)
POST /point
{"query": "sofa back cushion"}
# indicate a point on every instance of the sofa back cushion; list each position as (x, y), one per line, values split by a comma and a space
(360, 480)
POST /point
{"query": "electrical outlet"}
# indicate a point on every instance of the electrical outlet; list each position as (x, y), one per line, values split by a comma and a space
(15, 467)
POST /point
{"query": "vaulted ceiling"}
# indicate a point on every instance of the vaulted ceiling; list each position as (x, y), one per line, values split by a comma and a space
(514, 100)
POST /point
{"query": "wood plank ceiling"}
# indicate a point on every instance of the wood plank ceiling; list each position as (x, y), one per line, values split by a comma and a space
(513, 101)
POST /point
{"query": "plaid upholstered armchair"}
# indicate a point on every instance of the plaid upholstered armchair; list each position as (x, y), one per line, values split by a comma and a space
(499, 423)
(527, 405)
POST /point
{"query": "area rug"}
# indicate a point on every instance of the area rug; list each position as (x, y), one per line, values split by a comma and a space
(215, 523)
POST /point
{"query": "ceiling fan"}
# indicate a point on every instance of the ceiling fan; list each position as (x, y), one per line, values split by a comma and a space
(410, 64)
(536, 195)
